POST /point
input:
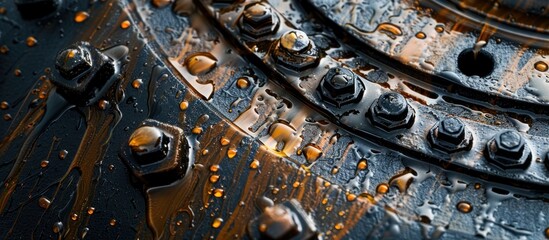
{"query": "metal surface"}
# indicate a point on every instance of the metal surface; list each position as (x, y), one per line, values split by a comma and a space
(311, 119)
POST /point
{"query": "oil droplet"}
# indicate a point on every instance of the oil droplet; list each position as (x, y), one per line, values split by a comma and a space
(137, 83)
(327, 184)
(31, 41)
(263, 227)
(382, 188)
(91, 210)
(324, 201)
(4, 105)
(390, 29)
(44, 203)
(421, 35)
(335, 170)
(439, 28)
(44, 163)
(17, 72)
(242, 83)
(362, 164)
(74, 217)
(547, 232)
(275, 191)
(224, 141)
(57, 227)
(464, 207)
(541, 66)
(200, 63)
(81, 16)
(63, 154)
(254, 164)
(144, 138)
(231, 152)
(312, 152)
(218, 192)
(197, 130)
(351, 197)
(296, 184)
(183, 105)
(112, 222)
(4, 49)
(205, 152)
(477, 185)
(339, 226)
(217, 222)
(7, 117)
(341, 213)
(125, 24)
(214, 168)
(214, 178)
(103, 104)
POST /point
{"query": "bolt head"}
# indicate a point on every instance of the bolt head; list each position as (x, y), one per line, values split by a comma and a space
(278, 222)
(391, 111)
(295, 41)
(450, 135)
(341, 86)
(149, 144)
(258, 19)
(509, 150)
(73, 61)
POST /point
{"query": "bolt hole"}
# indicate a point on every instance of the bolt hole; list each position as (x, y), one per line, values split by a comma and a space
(482, 65)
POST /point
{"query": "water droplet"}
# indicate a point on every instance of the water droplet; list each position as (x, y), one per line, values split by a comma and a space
(183, 105)
(63, 154)
(81, 16)
(464, 207)
(362, 164)
(224, 141)
(91, 210)
(44, 203)
(214, 178)
(44, 163)
(137, 83)
(4, 105)
(382, 188)
(242, 83)
(31, 41)
(214, 168)
(541, 66)
(217, 222)
(145, 139)
(57, 227)
(254, 164)
(421, 35)
(218, 192)
(200, 63)
(231, 152)
(125, 24)
(312, 152)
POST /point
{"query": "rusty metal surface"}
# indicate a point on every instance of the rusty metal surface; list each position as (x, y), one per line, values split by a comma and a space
(273, 120)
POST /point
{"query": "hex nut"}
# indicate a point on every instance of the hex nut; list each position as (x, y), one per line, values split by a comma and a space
(340, 86)
(450, 135)
(508, 150)
(391, 111)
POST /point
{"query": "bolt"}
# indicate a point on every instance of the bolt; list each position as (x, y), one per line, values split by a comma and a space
(149, 144)
(156, 153)
(258, 19)
(450, 135)
(294, 41)
(391, 111)
(509, 150)
(36, 8)
(72, 62)
(278, 222)
(341, 86)
(84, 73)
(295, 51)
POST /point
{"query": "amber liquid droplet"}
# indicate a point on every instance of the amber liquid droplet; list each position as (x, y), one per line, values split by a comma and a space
(218, 192)
(161, 3)
(439, 28)
(137, 83)
(214, 168)
(197, 130)
(464, 207)
(125, 24)
(242, 83)
(541, 66)
(74, 217)
(183, 105)
(4, 105)
(231, 153)
(362, 164)
(63, 154)
(217, 222)
(44, 203)
(91, 210)
(44, 163)
(339, 226)
(31, 41)
(421, 35)
(224, 141)
(254, 164)
(81, 16)
(312, 152)
(382, 188)
(200, 63)
(296, 184)
(112, 222)
(214, 178)
(351, 197)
